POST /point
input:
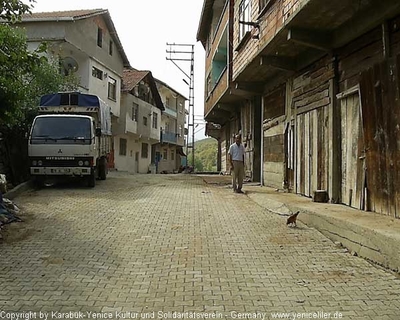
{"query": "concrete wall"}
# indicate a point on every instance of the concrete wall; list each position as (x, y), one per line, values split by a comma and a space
(168, 164)
(128, 162)
(78, 40)
(83, 34)
(137, 127)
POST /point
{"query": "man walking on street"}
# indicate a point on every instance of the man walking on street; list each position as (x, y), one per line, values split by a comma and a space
(236, 159)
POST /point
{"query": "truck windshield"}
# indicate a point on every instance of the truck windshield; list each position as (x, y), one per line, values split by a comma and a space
(61, 130)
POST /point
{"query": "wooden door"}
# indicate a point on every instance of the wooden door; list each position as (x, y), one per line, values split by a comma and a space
(352, 161)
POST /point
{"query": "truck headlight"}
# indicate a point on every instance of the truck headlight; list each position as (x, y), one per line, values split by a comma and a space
(86, 163)
(40, 162)
(80, 163)
(34, 163)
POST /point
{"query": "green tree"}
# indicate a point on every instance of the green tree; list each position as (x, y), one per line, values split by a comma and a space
(24, 75)
(205, 155)
(16, 67)
(11, 10)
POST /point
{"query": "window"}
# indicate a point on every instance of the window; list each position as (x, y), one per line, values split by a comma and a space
(99, 37)
(145, 150)
(155, 120)
(167, 127)
(145, 121)
(180, 131)
(165, 156)
(65, 130)
(122, 147)
(97, 73)
(172, 154)
(135, 111)
(110, 48)
(167, 102)
(112, 88)
(244, 16)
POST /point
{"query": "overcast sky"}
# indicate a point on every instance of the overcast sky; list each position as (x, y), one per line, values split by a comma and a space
(144, 28)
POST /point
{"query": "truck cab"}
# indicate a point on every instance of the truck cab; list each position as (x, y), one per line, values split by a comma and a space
(70, 138)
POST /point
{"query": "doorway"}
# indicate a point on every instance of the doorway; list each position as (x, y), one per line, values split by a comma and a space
(352, 152)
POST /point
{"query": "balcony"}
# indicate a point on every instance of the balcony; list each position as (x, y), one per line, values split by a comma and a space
(168, 137)
(170, 112)
(288, 40)
(131, 126)
(217, 91)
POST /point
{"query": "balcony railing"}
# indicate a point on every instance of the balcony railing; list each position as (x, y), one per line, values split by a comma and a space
(217, 91)
(168, 137)
(170, 112)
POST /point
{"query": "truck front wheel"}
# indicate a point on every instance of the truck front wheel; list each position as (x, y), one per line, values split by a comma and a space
(103, 169)
(91, 180)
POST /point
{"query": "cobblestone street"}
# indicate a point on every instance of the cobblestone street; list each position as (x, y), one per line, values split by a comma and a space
(157, 246)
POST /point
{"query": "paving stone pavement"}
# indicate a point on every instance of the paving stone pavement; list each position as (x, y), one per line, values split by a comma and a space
(170, 246)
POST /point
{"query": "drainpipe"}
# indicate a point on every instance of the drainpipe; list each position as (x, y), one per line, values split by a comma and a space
(336, 143)
(262, 143)
(219, 155)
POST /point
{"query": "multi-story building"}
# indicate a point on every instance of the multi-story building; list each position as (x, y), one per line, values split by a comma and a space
(138, 127)
(311, 85)
(227, 103)
(169, 154)
(84, 42)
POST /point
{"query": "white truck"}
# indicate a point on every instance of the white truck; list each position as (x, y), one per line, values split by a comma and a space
(71, 137)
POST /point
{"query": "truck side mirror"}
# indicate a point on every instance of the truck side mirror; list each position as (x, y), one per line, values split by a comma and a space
(98, 132)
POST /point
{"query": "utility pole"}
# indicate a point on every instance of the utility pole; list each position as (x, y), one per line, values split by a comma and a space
(185, 52)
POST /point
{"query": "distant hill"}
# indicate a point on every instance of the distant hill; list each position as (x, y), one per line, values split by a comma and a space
(205, 155)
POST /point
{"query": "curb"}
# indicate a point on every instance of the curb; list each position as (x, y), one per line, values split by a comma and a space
(366, 234)
(373, 244)
(18, 190)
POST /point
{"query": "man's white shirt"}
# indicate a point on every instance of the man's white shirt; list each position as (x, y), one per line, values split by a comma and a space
(236, 152)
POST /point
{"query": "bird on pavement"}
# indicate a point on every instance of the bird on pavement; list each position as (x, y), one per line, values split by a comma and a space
(292, 219)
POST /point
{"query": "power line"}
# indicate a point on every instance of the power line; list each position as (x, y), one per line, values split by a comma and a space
(181, 53)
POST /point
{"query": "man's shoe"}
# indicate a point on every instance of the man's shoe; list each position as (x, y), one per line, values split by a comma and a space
(239, 191)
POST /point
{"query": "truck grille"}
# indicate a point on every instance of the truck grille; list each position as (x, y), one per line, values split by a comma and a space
(59, 161)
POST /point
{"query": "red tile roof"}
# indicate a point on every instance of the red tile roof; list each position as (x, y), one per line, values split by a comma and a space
(131, 77)
(70, 15)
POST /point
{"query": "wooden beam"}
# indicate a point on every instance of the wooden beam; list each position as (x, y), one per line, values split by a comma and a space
(365, 21)
(217, 113)
(250, 87)
(279, 62)
(224, 107)
(311, 38)
(220, 113)
(241, 94)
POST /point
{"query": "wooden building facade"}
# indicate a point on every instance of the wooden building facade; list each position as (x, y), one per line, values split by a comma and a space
(315, 86)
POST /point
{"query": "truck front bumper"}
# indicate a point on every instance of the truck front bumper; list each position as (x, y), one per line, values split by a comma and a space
(61, 171)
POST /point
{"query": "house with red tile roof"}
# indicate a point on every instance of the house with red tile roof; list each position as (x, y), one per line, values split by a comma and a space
(138, 127)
